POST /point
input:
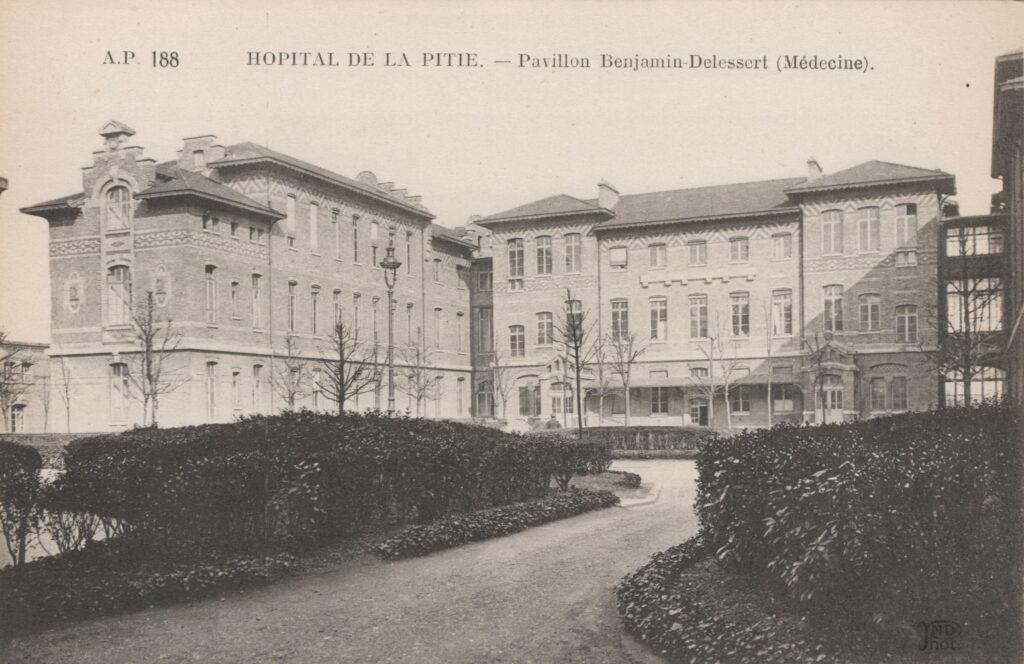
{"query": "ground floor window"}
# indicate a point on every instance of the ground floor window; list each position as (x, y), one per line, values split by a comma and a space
(900, 400)
(17, 418)
(739, 399)
(877, 394)
(986, 383)
(118, 392)
(659, 401)
(484, 399)
(529, 400)
(699, 411)
(783, 398)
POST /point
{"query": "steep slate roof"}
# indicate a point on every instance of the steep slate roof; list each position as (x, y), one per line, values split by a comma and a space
(871, 173)
(700, 203)
(249, 152)
(551, 206)
(189, 183)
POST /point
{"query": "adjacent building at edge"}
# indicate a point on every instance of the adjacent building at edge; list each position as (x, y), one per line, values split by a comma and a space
(824, 286)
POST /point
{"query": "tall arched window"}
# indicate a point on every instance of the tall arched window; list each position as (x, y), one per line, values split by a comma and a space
(119, 208)
(119, 295)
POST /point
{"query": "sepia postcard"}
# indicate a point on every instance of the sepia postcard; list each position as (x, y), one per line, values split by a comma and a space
(462, 332)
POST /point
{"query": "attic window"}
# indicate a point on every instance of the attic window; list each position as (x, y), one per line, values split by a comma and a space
(199, 159)
(619, 258)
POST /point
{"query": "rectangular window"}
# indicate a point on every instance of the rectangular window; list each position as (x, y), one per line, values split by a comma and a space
(906, 323)
(739, 399)
(782, 313)
(517, 341)
(460, 279)
(355, 315)
(118, 393)
(336, 231)
(485, 330)
(620, 319)
(211, 391)
(460, 389)
(437, 270)
(833, 309)
(545, 329)
(974, 241)
(119, 295)
(618, 258)
(698, 253)
(659, 401)
(782, 246)
(438, 330)
(485, 279)
(739, 250)
(256, 300)
(529, 400)
(906, 258)
(234, 299)
(659, 319)
(870, 313)
(234, 229)
(314, 309)
(906, 225)
(658, 256)
(236, 389)
(544, 259)
(899, 393)
(975, 305)
(408, 252)
(289, 219)
(355, 239)
(515, 264)
(869, 229)
(257, 371)
(211, 295)
(832, 232)
(460, 331)
(698, 316)
(573, 252)
(877, 394)
(740, 305)
(374, 241)
(783, 397)
(291, 305)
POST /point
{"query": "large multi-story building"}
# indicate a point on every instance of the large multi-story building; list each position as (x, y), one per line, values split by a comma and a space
(253, 255)
(796, 299)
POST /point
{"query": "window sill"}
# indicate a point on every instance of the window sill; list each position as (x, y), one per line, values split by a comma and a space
(118, 231)
(782, 260)
(696, 265)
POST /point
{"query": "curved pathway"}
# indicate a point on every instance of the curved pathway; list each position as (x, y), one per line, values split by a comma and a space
(543, 595)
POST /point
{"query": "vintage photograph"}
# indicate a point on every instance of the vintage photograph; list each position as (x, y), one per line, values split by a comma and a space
(453, 332)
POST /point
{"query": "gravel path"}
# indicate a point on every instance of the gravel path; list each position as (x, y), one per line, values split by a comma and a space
(543, 595)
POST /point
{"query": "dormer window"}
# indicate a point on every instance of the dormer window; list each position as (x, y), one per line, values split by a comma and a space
(199, 159)
(119, 208)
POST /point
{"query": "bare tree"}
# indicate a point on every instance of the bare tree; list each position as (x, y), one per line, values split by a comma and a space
(719, 352)
(149, 375)
(626, 349)
(351, 367)
(63, 385)
(290, 379)
(968, 323)
(419, 380)
(502, 382)
(45, 399)
(14, 379)
(767, 315)
(818, 350)
(603, 380)
(573, 331)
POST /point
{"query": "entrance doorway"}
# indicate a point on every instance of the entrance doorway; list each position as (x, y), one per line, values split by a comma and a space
(832, 393)
(699, 411)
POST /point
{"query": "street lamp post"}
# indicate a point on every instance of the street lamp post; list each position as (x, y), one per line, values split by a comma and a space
(390, 265)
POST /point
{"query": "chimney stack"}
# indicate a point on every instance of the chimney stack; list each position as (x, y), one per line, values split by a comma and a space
(607, 195)
(813, 169)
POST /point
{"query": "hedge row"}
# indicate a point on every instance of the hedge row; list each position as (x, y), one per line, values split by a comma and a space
(303, 476)
(877, 524)
(497, 522)
(119, 575)
(626, 479)
(650, 605)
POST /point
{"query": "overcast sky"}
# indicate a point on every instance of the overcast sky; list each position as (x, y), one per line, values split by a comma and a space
(477, 141)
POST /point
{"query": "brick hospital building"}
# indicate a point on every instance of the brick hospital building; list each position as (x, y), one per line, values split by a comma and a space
(823, 285)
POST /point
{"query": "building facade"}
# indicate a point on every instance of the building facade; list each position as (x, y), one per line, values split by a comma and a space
(252, 255)
(797, 299)
(1008, 165)
(802, 299)
(26, 391)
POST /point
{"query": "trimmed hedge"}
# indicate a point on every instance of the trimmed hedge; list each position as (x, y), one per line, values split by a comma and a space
(626, 478)
(301, 477)
(650, 605)
(496, 522)
(876, 524)
(114, 576)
